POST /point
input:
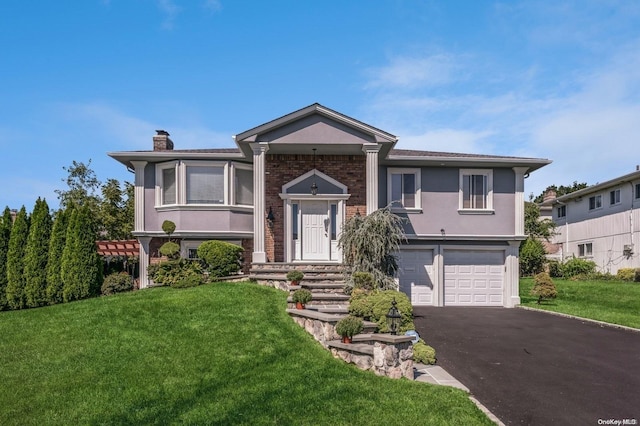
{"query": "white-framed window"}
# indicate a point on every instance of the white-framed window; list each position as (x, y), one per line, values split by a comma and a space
(585, 250)
(243, 184)
(614, 197)
(167, 183)
(562, 211)
(595, 202)
(476, 190)
(204, 183)
(403, 188)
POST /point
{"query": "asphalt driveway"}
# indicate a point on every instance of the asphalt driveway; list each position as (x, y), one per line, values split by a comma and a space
(533, 368)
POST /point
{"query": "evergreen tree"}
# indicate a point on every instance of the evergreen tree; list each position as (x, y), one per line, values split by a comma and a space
(82, 265)
(36, 255)
(5, 233)
(15, 260)
(115, 212)
(54, 262)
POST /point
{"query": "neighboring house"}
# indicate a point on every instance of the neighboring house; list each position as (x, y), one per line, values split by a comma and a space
(599, 223)
(287, 188)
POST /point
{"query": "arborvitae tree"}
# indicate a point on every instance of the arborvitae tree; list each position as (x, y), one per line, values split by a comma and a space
(15, 260)
(37, 254)
(54, 263)
(82, 265)
(5, 233)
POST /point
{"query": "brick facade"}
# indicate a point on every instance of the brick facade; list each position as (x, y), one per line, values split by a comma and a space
(350, 170)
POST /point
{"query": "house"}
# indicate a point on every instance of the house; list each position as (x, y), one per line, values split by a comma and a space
(599, 223)
(285, 190)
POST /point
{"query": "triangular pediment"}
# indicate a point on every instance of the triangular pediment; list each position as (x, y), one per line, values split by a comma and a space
(326, 184)
(314, 125)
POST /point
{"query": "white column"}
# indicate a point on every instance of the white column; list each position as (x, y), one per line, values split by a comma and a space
(144, 260)
(138, 201)
(259, 153)
(512, 275)
(519, 200)
(371, 150)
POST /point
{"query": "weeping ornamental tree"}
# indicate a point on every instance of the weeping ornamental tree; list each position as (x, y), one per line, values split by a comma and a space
(368, 244)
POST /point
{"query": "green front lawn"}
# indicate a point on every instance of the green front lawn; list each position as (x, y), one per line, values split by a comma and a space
(215, 354)
(615, 302)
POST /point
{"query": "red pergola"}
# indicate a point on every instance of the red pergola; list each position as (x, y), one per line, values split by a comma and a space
(128, 248)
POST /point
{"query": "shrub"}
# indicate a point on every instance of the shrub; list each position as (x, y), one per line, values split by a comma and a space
(188, 278)
(576, 266)
(375, 306)
(221, 258)
(636, 277)
(170, 272)
(363, 280)
(349, 326)
(168, 227)
(555, 268)
(424, 353)
(302, 295)
(544, 287)
(295, 276)
(170, 249)
(626, 274)
(117, 283)
(532, 257)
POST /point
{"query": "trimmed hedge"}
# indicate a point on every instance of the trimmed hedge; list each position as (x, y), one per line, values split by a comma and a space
(424, 353)
(221, 259)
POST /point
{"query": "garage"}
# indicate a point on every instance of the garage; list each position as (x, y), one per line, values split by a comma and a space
(416, 275)
(473, 277)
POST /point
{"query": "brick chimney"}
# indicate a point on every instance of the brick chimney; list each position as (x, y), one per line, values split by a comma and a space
(550, 194)
(161, 141)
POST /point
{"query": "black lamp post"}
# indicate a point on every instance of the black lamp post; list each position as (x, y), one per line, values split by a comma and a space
(393, 318)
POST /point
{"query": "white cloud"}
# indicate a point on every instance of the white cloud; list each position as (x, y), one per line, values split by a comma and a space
(170, 11)
(410, 72)
(446, 140)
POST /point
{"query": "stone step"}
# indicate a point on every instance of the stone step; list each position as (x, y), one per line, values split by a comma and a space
(326, 298)
(329, 309)
(283, 277)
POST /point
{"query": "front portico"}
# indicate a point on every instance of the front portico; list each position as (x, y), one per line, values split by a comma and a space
(312, 147)
(313, 222)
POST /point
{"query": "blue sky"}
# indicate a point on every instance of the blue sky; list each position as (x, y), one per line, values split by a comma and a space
(551, 79)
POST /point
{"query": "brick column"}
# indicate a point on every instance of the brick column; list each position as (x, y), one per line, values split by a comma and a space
(259, 152)
(371, 150)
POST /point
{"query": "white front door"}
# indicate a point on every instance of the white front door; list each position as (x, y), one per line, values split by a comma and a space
(315, 224)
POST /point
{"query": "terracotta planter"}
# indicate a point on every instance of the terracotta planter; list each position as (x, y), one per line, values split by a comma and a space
(299, 305)
(346, 339)
(294, 283)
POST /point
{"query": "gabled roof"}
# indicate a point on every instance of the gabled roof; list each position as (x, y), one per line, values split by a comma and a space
(629, 177)
(316, 108)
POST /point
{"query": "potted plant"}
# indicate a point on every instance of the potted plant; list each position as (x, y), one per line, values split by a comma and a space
(301, 297)
(348, 327)
(295, 276)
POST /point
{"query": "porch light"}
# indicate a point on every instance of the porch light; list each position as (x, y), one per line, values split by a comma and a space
(270, 218)
(314, 186)
(394, 318)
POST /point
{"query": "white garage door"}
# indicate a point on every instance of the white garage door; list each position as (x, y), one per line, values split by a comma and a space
(416, 275)
(473, 278)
